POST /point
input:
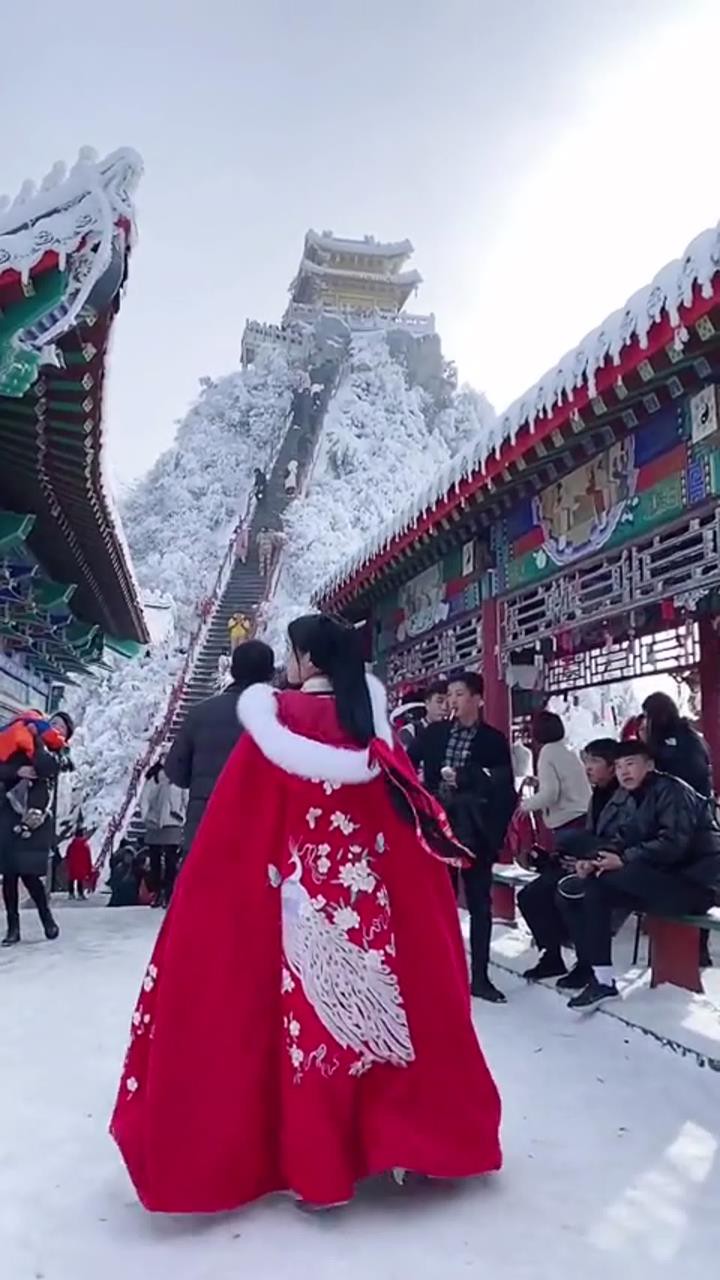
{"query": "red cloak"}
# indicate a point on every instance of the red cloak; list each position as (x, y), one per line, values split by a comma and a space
(305, 1019)
(79, 860)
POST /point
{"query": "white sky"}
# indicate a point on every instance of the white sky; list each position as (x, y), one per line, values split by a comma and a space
(546, 157)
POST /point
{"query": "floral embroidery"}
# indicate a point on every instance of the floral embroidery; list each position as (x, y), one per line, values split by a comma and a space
(312, 816)
(380, 844)
(131, 1085)
(319, 902)
(383, 898)
(357, 876)
(297, 1057)
(340, 821)
(140, 1022)
(149, 979)
(345, 918)
(274, 876)
(294, 1028)
(329, 787)
(288, 982)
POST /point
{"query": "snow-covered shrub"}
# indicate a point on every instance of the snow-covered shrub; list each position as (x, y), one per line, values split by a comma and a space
(177, 521)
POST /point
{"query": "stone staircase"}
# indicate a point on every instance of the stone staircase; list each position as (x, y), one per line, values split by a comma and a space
(245, 589)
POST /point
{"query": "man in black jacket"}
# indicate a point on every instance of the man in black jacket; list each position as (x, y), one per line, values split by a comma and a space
(667, 862)
(206, 739)
(547, 915)
(467, 765)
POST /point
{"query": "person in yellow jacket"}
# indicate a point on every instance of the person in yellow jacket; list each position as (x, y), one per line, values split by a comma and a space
(240, 628)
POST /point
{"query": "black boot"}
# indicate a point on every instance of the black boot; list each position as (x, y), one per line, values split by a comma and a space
(483, 989)
(48, 922)
(550, 965)
(12, 937)
(577, 979)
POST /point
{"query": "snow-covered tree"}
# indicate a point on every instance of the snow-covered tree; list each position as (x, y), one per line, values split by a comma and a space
(383, 441)
(177, 521)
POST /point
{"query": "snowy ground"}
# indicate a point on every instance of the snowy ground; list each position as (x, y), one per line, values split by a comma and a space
(691, 1022)
(611, 1145)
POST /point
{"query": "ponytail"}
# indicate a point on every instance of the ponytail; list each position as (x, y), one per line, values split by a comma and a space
(336, 650)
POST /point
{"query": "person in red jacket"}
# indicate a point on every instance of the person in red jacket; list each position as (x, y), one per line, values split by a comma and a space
(78, 862)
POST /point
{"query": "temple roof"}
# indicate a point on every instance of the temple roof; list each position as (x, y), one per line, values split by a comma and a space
(63, 261)
(41, 228)
(682, 292)
(367, 246)
(408, 278)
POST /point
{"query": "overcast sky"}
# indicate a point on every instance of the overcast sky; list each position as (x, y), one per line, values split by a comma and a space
(545, 157)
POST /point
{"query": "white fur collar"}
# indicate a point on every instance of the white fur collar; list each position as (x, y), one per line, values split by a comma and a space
(258, 714)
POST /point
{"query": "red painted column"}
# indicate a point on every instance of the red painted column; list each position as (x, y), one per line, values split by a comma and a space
(497, 696)
(496, 713)
(710, 691)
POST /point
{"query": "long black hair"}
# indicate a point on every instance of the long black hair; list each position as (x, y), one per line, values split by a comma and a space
(662, 716)
(336, 650)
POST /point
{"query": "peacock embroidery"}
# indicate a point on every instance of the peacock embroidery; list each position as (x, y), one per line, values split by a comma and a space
(350, 984)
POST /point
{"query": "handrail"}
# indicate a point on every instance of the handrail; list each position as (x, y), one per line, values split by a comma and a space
(303, 488)
(207, 609)
(118, 823)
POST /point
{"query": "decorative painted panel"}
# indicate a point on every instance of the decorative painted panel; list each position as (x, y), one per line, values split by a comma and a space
(675, 569)
(642, 482)
(449, 589)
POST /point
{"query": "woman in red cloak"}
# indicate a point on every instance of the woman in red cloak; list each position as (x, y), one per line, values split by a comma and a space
(305, 1020)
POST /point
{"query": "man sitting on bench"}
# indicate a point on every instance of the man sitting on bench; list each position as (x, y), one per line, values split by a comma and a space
(666, 863)
(545, 914)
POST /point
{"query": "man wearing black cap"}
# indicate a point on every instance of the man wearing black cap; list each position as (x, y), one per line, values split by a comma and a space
(666, 862)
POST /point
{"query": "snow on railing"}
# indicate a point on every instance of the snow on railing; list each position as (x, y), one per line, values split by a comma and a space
(357, 319)
(117, 825)
(671, 289)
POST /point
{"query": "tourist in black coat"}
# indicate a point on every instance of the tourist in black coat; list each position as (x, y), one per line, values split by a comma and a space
(677, 748)
(666, 862)
(467, 765)
(549, 916)
(210, 731)
(25, 848)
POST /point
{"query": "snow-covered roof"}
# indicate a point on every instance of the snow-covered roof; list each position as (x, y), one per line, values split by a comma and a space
(368, 245)
(69, 209)
(411, 278)
(670, 290)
